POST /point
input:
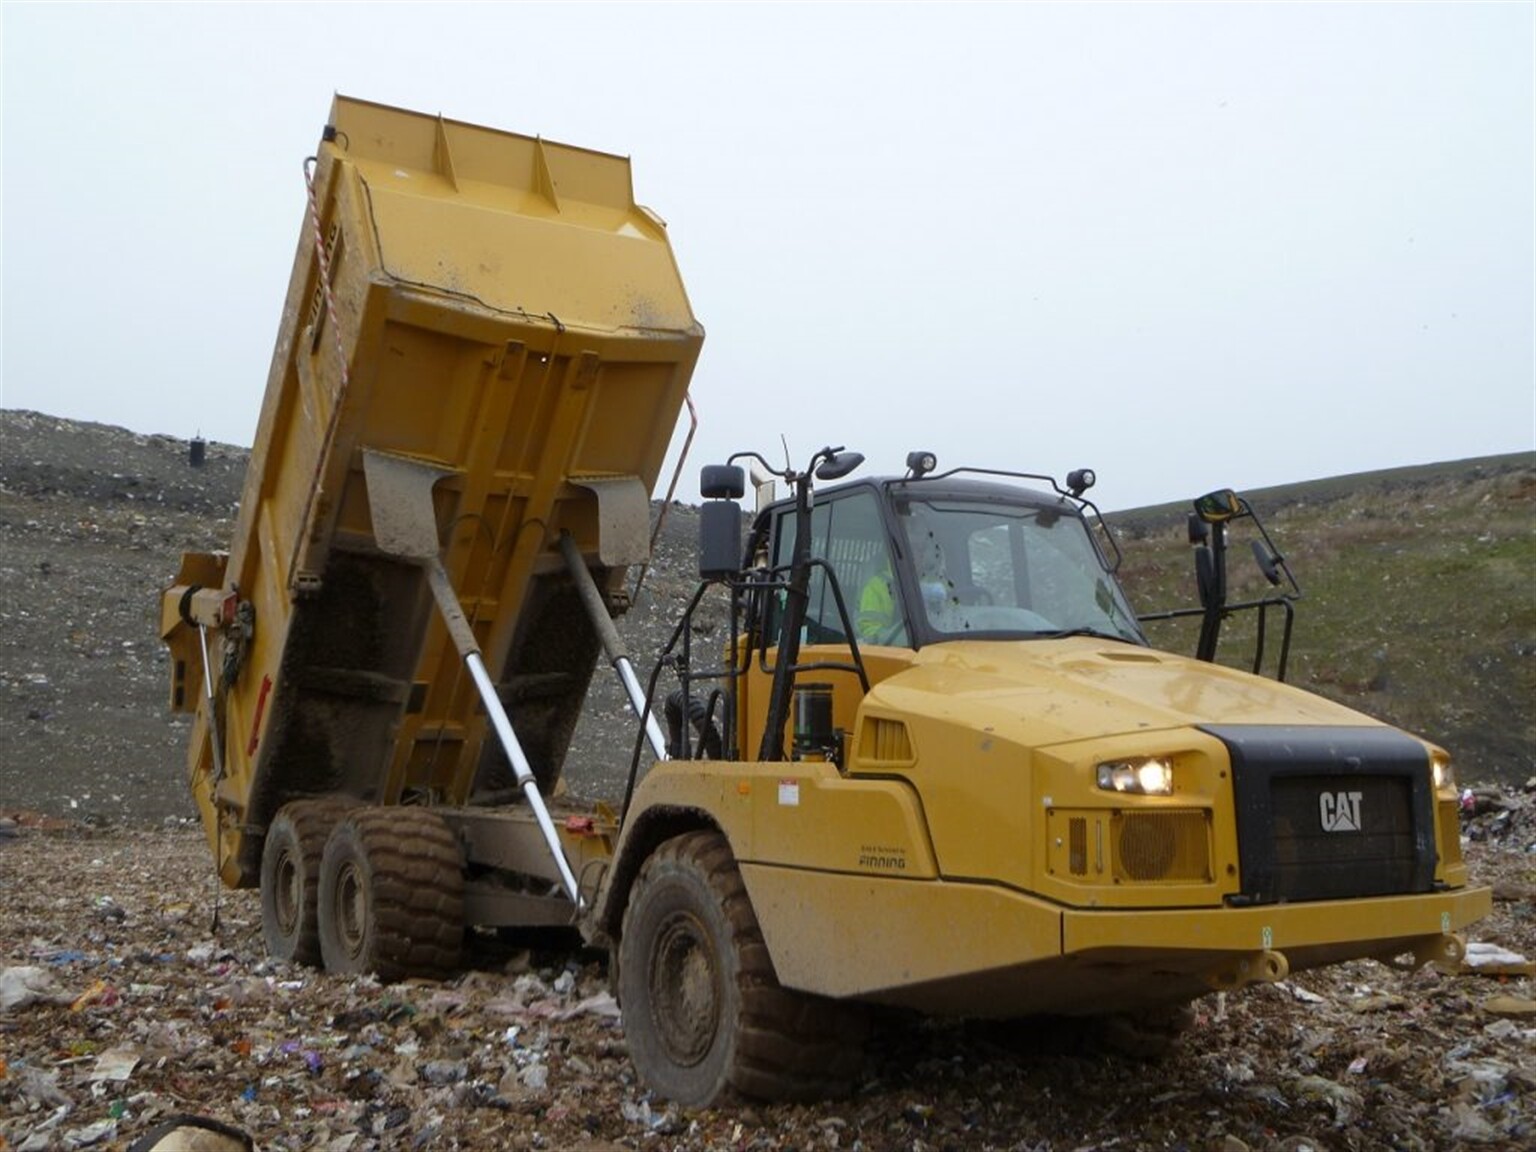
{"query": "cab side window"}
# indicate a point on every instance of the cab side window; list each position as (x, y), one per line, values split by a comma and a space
(848, 534)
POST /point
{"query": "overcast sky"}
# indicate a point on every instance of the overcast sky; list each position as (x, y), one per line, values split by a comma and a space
(1187, 245)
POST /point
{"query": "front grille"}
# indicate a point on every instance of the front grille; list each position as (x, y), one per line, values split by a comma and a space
(1161, 846)
(1342, 836)
(1330, 813)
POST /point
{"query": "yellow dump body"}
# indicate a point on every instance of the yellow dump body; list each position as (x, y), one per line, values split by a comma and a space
(501, 308)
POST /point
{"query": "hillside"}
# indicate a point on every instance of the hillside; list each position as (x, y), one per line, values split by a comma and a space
(1418, 605)
(93, 521)
(1418, 608)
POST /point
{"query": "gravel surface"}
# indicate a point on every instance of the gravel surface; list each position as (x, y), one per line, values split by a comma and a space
(119, 1005)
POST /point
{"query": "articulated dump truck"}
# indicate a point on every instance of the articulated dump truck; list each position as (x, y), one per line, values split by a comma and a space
(933, 764)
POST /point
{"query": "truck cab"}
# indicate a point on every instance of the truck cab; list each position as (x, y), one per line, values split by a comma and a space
(939, 719)
(900, 566)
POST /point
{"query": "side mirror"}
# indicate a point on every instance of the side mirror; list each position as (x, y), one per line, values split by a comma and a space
(1219, 507)
(1205, 576)
(1268, 562)
(722, 482)
(838, 465)
(719, 539)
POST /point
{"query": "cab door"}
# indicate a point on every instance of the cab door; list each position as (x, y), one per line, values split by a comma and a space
(855, 599)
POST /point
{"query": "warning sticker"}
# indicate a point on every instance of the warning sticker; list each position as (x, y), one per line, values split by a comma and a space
(789, 792)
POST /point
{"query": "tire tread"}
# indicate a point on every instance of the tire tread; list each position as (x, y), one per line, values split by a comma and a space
(789, 1045)
(417, 892)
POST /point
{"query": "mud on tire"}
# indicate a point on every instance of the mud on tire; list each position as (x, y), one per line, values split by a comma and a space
(290, 876)
(703, 1008)
(391, 898)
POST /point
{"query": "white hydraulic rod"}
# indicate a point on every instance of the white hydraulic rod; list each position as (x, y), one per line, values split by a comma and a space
(613, 644)
(458, 628)
(525, 780)
(405, 525)
(636, 695)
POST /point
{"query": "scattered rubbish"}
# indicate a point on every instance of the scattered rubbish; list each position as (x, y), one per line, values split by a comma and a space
(167, 1020)
(91, 1135)
(115, 1064)
(1509, 1006)
(109, 909)
(1296, 992)
(26, 984)
(99, 992)
(1377, 1002)
(1492, 960)
(39, 1089)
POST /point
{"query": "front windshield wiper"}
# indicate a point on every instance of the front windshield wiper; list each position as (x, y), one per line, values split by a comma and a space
(1063, 633)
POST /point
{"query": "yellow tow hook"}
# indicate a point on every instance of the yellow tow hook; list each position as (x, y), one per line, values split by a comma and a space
(1265, 967)
(1445, 952)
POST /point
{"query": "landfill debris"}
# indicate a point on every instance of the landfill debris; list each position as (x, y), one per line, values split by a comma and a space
(25, 984)
(1509, 1006)
(116, 1064)
(148, 1016)
(1488, 959)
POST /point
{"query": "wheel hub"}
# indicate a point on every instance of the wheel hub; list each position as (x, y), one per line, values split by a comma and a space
(351, 909)
(285, 894)
(685, 989)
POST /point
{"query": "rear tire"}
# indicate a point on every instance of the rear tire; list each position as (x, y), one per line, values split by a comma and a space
(703, 1009)
(290, 877)
(391, 895)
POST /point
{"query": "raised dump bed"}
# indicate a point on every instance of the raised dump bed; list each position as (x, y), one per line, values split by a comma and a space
(486, 306)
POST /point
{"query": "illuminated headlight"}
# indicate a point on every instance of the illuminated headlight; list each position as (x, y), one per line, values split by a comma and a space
(1142, 777)
(1444, 776)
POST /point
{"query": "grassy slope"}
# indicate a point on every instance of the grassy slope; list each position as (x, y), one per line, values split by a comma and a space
(1419, 604)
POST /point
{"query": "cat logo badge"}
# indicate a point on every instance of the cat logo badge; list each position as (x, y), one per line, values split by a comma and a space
(1340, 811)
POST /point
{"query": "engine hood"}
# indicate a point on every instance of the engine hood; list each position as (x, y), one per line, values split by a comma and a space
(1045, 692)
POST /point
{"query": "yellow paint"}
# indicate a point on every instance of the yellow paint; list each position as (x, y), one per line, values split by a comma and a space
(504, 309)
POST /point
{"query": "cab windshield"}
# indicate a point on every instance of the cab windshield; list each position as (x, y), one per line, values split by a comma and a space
(980, 566)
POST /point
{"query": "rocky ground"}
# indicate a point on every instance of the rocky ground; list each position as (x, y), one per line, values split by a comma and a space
(120, 1005)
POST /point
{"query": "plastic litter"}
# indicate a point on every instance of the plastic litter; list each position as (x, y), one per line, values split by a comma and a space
(27, 984)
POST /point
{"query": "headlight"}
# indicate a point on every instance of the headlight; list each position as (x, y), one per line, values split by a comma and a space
(1148, 777)
(1444, 776)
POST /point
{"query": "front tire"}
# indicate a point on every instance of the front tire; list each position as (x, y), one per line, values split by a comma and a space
(703, 1009)
(391, 898)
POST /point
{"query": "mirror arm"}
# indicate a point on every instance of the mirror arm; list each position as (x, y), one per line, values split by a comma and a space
(1215, 608)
